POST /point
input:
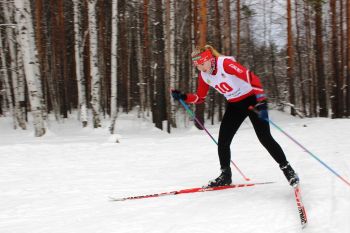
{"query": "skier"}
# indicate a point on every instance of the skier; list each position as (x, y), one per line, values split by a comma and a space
(242, 89)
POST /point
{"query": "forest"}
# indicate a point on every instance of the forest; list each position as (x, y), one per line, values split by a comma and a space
(100, 58)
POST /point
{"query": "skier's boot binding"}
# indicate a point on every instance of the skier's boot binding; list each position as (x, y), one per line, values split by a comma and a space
(223, 179)
(290, 174)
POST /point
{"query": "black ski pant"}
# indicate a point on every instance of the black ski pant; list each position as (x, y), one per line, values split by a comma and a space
(233, 118)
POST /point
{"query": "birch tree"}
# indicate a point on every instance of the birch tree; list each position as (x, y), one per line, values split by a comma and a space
(6, 83)
(170, 62)
(31, 65)
(17, 86)
(114, 53)
(79, 65)
(95, 75)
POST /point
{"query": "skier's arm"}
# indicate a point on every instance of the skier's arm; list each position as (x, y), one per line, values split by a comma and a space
(234, 68)
(202, 91)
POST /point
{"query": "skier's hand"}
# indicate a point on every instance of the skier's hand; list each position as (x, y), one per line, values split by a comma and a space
(261, 109)
(177, 95)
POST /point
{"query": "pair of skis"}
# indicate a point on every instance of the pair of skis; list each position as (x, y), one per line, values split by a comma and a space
(191, 190)
(297, 195)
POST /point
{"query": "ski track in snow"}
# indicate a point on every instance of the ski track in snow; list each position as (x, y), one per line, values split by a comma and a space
(60, 183)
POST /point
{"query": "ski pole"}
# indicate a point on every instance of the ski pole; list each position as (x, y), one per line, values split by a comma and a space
(303, 147)
(190, 112)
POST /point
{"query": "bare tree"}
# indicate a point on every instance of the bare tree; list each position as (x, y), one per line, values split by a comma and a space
(95, 74)
(238, 29)
(310, 61)
(114, 53)
(321, 81)
(301, 86)
(336, 98)
(290, 57)
(17, 84)
(348, 58)
(79, 65)
(159, 104)
(6, 83)
(227, 28)
(31, 65)
(170, 62)
(201, 41)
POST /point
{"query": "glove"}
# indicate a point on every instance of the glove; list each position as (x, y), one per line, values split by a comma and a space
(177, 95)
(261, 108)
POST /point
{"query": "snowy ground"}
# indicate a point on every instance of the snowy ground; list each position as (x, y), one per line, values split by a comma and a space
(61, 183)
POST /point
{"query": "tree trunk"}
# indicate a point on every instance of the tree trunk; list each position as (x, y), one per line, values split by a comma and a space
(139, 50)
(202, 40)
(227, 28)
(170, 63)
(18, 113)
(310, 61)
(321, 80)
(124, 62)
(51, 62)
(160, 106)
(102, 55)
(31, 65)
(336, 86)
(114, 53)
(146, 59)
(62, 51)
(238, 29)
(79, 65)
(95, 74)
(302, 93)
(348, 59)
(290, 57)
(342, 61)
(6, 84)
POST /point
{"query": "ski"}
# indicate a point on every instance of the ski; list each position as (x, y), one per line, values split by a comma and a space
(301, 207)
(190, 190)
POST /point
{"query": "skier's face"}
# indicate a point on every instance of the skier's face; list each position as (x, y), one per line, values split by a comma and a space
(205, 66)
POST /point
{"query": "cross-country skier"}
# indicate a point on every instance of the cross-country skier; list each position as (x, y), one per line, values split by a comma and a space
(242, 89)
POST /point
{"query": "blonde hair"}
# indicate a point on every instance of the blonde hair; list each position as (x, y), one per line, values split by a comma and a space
(197, 50)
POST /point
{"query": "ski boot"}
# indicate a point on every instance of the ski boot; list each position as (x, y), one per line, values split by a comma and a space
(290, 174)
(223, 179)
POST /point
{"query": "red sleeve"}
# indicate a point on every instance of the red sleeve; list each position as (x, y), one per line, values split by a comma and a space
(234, 68)
(202, 91)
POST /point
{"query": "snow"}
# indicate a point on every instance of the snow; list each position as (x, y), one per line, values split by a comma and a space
(60, 183)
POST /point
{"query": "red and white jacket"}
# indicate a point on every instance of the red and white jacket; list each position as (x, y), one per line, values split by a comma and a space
(229, 78)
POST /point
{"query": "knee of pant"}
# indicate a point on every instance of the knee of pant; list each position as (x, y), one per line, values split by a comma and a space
(222, 141)
(265, 139)
(223, 144)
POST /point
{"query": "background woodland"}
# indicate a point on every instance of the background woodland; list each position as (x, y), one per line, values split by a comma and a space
(100, 58)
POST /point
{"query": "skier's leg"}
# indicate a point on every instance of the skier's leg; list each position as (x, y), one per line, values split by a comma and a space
(262, 130)
(231, 121)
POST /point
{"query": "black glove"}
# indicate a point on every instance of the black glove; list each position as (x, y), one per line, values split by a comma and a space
(261, 108)
(177, 95)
